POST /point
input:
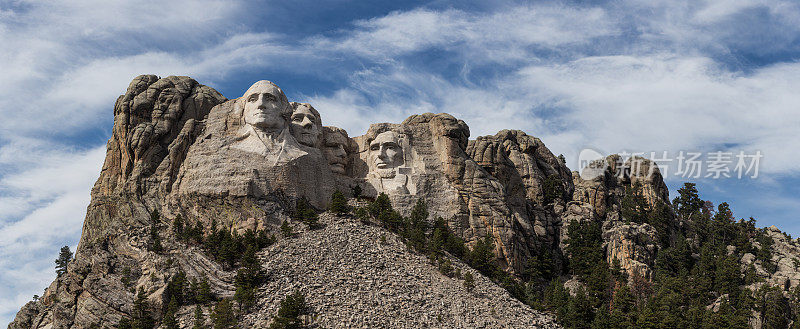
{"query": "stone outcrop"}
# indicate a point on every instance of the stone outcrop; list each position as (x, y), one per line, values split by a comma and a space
(634, 246)
(785, 257)
(155, 122)
(490, 186)
(182, 149)
(602, 186)
(179, 148)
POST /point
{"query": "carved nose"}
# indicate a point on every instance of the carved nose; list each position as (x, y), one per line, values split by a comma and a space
(262, 102)
(307, 123)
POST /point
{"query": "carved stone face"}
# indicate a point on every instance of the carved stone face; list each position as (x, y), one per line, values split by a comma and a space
(385, 153)
(335, 151)
(264, 107)
(305, 125)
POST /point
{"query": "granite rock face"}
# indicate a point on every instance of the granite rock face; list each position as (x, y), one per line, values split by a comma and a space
(785, 258)
(182, 149)
(601, 186)
(492, 186)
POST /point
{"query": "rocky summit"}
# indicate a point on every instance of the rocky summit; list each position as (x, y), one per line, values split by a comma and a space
(250, 213)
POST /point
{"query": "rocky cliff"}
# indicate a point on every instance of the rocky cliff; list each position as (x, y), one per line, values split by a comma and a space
(182, 155)
(180, 149)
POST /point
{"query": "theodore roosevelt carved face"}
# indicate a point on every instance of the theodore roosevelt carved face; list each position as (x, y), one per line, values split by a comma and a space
(335, 149)
(306, 125)
(385, 153)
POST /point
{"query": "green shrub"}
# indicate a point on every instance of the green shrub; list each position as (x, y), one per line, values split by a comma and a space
(339, 203)
(469, 281)
(291, 309)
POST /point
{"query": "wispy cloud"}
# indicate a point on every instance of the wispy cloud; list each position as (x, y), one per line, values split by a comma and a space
(44, 207)
(621, 75)
(479, 37)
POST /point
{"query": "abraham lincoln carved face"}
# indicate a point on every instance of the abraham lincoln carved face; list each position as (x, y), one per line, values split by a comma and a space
(385, 153)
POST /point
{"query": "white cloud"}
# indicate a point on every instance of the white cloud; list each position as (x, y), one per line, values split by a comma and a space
(53, 196)
(499, 36)
(627, 75)
(53, 53)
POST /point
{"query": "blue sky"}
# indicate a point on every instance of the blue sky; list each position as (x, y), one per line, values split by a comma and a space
(625, 75)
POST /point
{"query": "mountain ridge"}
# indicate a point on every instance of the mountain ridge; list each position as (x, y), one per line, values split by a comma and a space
(181, 152)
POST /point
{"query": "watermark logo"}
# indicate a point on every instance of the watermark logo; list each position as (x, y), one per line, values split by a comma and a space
(591, 164)
(684, 164)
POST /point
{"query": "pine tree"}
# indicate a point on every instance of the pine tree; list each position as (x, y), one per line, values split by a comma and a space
(64, 257)
(125, 323)
(306, 214)
(222, 317)
(648, 319)
(292, 308)
(603, 319)
(469, 281)
(584, 245)
(178, 227)
(634, 205)
(169, 321)
(482, 257)
(417, 225)
(286, 230)
(552, 188)
(381, 209)
(579, 312)
(774, 308)
(446, 266)
(140, 316)
(339, 203)
(203, 293)
(556, 298)
(247, 279)
(175, 290)
(199, 318)
(197, 233)
(356, 191)
(688, 203)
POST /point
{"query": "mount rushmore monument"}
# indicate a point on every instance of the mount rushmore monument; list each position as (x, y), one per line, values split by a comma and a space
(182, 150)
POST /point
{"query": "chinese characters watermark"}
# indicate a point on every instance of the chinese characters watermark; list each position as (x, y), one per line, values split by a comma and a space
(685, 164)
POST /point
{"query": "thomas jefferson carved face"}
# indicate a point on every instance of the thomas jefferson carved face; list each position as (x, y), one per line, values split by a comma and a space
(335, 150)
(265, 107)
(385, 153)
(306, 125)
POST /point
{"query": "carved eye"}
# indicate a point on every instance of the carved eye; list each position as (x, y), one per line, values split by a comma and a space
(252, 98)
(374, 147)
(297, 118)
(270, 97)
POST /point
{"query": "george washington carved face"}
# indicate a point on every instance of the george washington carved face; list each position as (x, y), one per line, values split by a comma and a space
(385, 153)
(265, 107)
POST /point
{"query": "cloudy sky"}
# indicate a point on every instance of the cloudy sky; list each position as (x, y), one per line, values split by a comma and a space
(617, 76)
